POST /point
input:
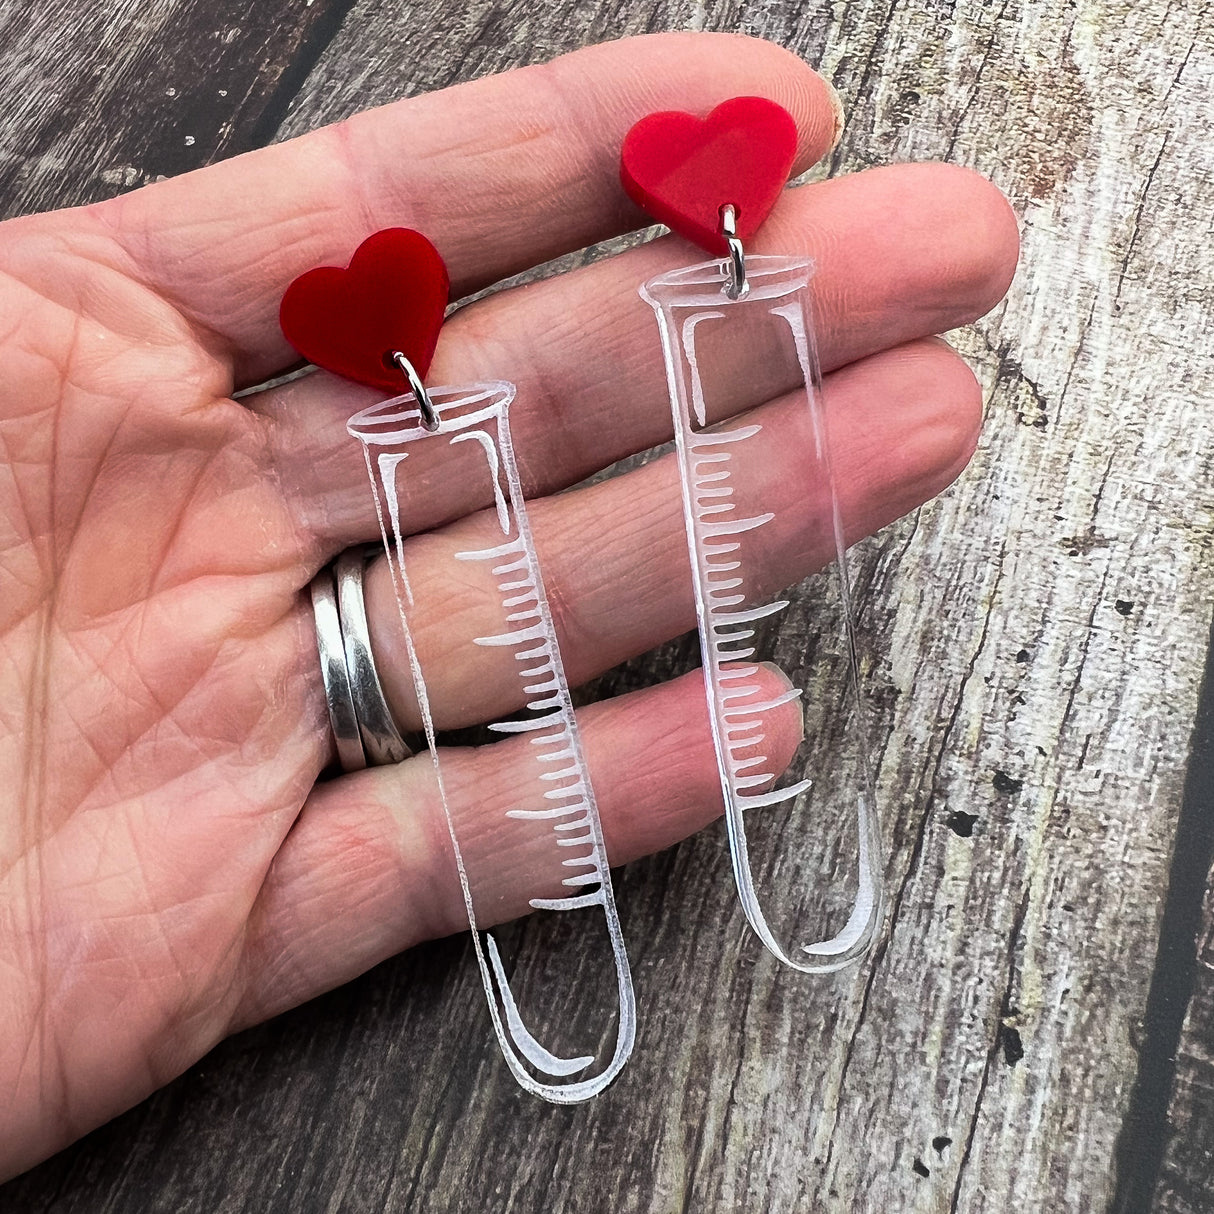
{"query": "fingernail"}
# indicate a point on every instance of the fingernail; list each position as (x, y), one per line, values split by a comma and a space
(789, 708)
(778, 673)
(836, 109)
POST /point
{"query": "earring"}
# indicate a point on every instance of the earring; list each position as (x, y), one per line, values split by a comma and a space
(378, 322)
(714, 182)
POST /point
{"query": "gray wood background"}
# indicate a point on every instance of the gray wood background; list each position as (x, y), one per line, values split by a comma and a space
(1036, 1030)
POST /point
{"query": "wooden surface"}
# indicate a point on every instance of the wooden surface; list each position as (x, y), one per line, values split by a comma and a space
(1040, 633)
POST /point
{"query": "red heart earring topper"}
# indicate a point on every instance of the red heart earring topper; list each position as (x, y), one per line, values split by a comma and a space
(683, 169)
(392, 297)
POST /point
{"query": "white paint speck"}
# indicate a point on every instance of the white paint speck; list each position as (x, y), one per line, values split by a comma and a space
(170, 92)
(125, 175)
(223, 92)
(189, 141)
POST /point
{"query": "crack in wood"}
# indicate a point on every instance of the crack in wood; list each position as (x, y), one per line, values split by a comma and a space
(992, 1055)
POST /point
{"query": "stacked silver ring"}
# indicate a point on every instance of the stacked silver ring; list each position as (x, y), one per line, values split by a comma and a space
(363, 728)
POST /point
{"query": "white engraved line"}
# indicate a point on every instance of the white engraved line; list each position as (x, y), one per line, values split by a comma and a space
(531, 1049)
(710, 438)
(775, 797)
(738, 672)
(735, 527)
(766, 706)
(510, 548)
(689, 350)
(499, 498)
(552, 718)
(723, 618)
(578, 861)
(558, 811)
(388, 463)
(737, 765)
(577, 902)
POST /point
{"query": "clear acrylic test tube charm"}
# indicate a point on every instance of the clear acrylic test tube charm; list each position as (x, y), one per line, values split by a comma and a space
(546, 830)
(750, 498)
(557, 804)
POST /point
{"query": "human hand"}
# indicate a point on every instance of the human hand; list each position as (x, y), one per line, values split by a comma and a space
(171, 870)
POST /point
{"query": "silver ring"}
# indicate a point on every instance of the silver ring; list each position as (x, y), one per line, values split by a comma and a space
(343, 719)
(381, 739)
(424, 403)
(736, 285)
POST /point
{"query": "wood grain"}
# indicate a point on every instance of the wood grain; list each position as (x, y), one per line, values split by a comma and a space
(101, 98)
(1040, 633)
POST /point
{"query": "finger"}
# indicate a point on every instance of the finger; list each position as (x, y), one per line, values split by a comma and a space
(902, 252)
(500, 173)
(614, 555)
(368, 869)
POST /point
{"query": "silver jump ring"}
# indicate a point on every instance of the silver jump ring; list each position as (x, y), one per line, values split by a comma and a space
(343, 719)
(424, 403)
(380, 737)
(736, 285)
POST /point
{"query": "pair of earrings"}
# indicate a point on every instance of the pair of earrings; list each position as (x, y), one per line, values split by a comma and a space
(714, 182)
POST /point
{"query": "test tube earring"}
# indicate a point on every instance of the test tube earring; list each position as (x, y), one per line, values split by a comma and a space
(714, 181)
(552, 818)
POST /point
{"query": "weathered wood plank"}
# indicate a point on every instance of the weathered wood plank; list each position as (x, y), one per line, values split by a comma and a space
(1044, 626)
(104, 98)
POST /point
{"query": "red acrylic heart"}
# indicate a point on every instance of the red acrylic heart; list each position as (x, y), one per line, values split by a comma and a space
(683, 170)
(392, 297)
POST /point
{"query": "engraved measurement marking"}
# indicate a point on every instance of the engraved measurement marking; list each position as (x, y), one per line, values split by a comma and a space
(742, 723)
(571, 808)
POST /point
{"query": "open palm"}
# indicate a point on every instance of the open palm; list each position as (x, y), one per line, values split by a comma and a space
(171, 870)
